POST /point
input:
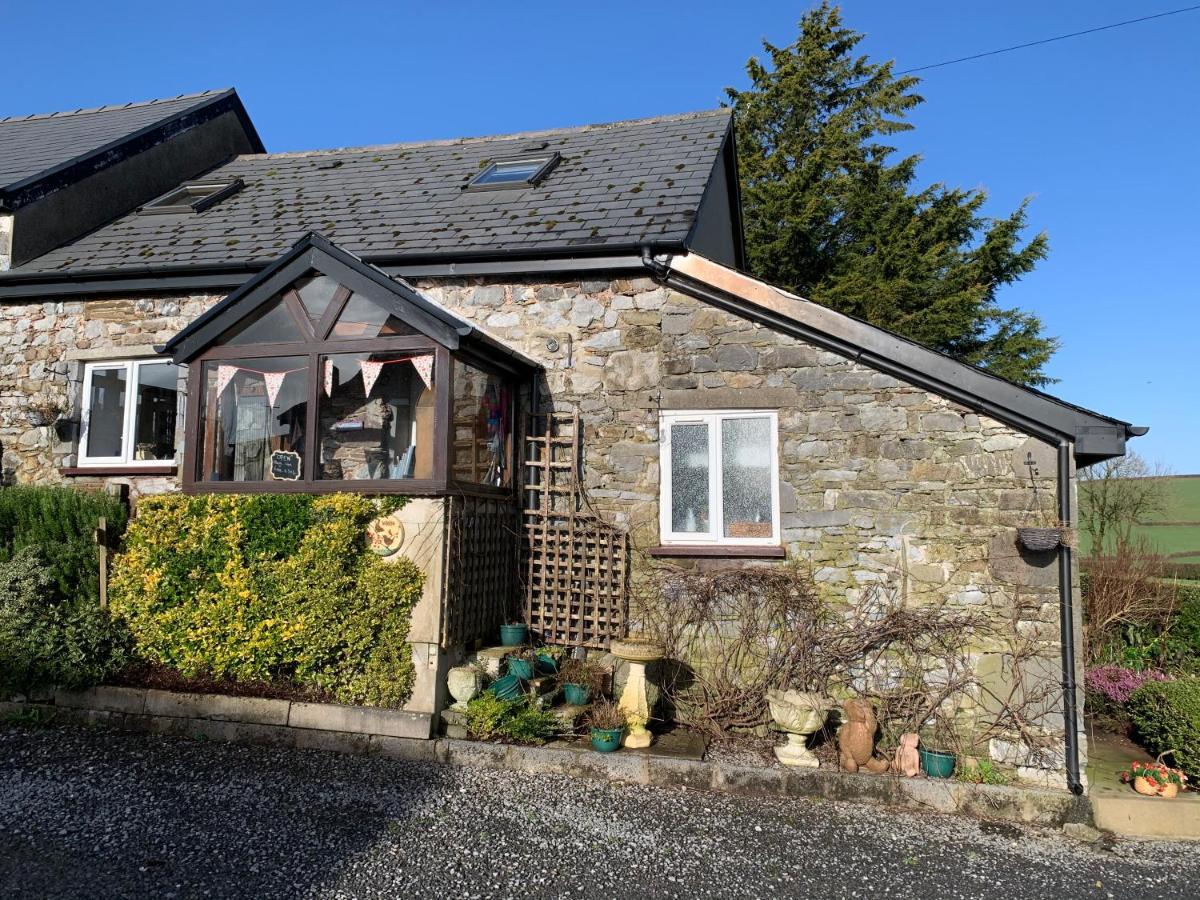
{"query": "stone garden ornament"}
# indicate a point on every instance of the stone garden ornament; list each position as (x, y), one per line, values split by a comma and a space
(463, 682)
(856, 738)
(798, 714)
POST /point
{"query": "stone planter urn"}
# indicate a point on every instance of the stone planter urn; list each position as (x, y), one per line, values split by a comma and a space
(634, 701)
(798, 715)
(464, 682)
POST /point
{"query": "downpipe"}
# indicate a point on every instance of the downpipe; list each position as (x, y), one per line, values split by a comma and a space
(1066, 610)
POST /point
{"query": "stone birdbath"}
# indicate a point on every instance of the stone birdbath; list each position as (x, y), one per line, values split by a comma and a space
(634, 701)
(798, 715)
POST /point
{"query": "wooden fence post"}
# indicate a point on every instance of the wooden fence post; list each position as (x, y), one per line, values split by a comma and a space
(102, 543)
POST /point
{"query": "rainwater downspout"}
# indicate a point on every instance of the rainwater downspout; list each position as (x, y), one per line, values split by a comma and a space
(1066, 621)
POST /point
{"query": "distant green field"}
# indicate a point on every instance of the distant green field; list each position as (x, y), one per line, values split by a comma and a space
(1174, 533)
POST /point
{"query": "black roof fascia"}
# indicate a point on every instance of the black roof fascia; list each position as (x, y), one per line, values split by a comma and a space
(727, 157)
(1095, 437)
(314, 252)
(16, 285)
(67, 173)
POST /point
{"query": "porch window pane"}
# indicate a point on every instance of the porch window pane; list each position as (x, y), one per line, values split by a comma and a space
(482, 427)
(106, 412)
(362, 318)
(154, 423)
(252, 419)
(689, 479)
(271, 325)
(376, 416)
(746, 477)
(316, 293)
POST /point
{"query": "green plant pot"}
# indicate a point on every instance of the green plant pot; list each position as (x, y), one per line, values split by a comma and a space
(522, 668)
(606, 740)
(546, 664)
(577, 694)
(506, 688)
(936, 763)
(514, 635)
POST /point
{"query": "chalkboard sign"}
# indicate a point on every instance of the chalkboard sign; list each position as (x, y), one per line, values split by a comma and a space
(285, 465)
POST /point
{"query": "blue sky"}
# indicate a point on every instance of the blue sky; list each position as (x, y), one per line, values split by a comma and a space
(1100, 130)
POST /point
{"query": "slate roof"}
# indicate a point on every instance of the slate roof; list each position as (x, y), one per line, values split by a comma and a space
(31, 146)
(617, 184)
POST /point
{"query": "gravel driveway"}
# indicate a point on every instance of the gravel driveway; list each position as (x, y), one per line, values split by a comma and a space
(101, 814)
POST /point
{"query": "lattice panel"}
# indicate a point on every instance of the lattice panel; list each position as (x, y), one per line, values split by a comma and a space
(481, 559)
(576, 565)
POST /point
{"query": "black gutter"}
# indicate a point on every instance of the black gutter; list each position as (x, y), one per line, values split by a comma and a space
(1063, 442)
(1066, 623)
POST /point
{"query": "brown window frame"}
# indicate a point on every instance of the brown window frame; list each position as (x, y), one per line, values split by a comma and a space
(314, 349)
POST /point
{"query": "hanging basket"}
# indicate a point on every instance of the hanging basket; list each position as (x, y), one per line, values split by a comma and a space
(1040, 540)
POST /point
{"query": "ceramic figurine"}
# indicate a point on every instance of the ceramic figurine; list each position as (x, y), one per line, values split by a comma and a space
(856, 738)
(907, 762)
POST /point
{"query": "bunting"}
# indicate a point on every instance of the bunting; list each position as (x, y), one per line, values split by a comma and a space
(424, 367)
(370, 374)
(328, 377)
(274, 381)
(224, 376)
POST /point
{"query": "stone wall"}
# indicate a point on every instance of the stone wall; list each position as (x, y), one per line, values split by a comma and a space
(42, 350)
(884, 486)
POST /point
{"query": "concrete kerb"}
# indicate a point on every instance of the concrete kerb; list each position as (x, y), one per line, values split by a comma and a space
(254, 720)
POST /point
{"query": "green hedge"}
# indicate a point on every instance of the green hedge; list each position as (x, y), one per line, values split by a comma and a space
(274, 588)
(61, 522)
(1167, 717)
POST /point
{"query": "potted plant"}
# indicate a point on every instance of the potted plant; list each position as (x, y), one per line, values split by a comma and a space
(1043, 538)
(547, 660)
(581, 679)
(1155, 779)
(514, 634)
(522, 663)
(937, 759)
(607, 723)
(43, 410)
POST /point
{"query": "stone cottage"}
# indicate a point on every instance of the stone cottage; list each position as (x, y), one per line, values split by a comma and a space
(181, 310)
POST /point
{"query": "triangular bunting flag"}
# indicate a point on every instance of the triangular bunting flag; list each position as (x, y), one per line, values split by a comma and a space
(424, 367)
(224, 376)
(370, 373)
(329, 378)
(274, 382)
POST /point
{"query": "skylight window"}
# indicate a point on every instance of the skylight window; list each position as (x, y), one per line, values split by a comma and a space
(514, 172)
(192, 197)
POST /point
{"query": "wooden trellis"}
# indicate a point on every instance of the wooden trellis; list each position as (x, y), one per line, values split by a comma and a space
(480, 561)
(576, 564)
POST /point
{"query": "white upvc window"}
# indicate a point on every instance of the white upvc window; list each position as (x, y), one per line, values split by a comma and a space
(130, 410)
(720, 477)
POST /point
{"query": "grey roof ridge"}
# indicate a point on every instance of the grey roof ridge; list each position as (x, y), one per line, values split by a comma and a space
(110, 107)
(485, 138)
(695, 268)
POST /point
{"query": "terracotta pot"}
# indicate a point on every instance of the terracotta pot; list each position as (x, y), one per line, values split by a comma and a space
(1142, 786)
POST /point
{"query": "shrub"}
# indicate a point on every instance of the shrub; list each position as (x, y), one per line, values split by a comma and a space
(61, 522)
(1116, 684)
(521, 720)
(1167, 717)
(47, 640)
(269, 588)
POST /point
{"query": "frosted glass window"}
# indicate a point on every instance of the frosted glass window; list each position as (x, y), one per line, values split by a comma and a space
(690, 479)
(720, 478)
(746, 478)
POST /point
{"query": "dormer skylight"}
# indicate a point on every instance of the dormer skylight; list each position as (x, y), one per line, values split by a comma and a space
(192, 197)
(513, 172)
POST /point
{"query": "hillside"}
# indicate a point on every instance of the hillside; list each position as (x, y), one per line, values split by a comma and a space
(1175, 533)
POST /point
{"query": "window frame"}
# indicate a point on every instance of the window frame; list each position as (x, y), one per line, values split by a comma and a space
(714, 537)
(126, 460)
(547, 162)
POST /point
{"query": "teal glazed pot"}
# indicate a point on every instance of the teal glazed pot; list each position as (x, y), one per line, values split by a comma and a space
(514, 635)
(546, 664)
(937, 763)
(522, 668)
(606, 740)
(576, 694)
(506, 688)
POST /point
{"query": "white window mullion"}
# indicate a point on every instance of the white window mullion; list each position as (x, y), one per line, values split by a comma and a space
(131, 380)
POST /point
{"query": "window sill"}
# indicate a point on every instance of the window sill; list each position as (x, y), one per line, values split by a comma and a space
(718, 551)
(79, 471)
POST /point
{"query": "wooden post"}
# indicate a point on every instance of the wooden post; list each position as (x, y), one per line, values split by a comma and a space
(102, 544)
